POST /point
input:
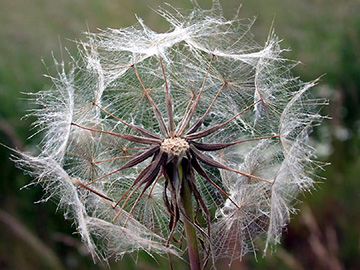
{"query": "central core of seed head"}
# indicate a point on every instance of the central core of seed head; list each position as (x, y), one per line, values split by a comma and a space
(174, 146)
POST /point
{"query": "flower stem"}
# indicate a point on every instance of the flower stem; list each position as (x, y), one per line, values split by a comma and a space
(190, 232)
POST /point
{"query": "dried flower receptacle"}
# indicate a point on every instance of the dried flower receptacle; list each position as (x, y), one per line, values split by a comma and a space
(174, 146)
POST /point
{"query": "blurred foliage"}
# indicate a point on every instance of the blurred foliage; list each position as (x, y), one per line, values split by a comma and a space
(323, 34)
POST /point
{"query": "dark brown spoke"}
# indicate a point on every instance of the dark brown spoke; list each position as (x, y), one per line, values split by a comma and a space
(168, 101)
(136, 128)
(202, 172)
(144, 174)
(200, 200)
(136, 148)
(171, 205)
(136, 160)
(133, 207)
(138, 178)
(125, 202)
(219, 146)
(148, 182)
(80, 184)
(187, 117)
(193, 223)
(127, 137)
(136, 202)
(167, 202)
(209, 161)
(208, 131)
(152, 188)
(156, 110)
(199, 122)
(172, 225)
(111, 159)
(153, 170)
(148, 178)
(191, 100)
(152, 174)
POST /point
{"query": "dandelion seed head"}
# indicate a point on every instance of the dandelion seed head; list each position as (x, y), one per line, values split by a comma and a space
(203, 97)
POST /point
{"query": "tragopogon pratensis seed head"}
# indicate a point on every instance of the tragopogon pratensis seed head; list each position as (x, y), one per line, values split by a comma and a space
(142, 113)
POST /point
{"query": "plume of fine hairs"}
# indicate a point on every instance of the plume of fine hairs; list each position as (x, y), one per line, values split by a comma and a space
(204, 94)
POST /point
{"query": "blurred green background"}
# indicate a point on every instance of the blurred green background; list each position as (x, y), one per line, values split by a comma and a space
(323, 34)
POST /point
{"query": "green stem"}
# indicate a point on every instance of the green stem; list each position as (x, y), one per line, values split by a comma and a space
(190, 231)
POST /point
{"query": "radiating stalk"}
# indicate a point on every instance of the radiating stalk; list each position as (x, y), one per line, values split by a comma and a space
(190, 232)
